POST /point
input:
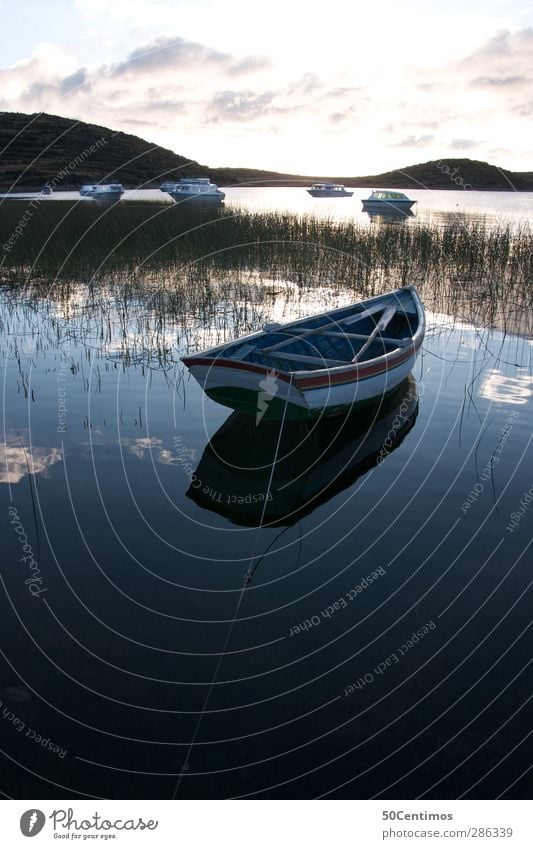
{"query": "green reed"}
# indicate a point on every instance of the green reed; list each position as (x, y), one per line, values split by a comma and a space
(189, 260)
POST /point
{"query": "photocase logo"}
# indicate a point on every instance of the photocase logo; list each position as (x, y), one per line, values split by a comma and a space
(32, 822)
(269, 387)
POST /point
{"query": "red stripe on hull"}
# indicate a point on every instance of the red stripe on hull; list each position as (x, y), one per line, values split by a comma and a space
(332, 378)
(355, 375)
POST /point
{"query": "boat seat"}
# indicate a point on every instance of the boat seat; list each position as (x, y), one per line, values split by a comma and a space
(400, 343)
(348, 320)
(319, 362)
(242, 351)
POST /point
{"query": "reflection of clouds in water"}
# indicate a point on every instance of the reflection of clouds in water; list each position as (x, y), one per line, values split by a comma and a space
(168, 457)
(507, 390)
(16, 460)
(139, 446)
(152, 445)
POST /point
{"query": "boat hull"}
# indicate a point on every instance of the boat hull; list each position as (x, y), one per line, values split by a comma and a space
(198, 197)
(258, 385)
(260, 391)
(103, 197)
(384, 205)
(319, 194)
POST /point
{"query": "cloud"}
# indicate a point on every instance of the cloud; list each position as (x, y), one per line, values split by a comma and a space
(505, 47)
(415, 141)
(342, 92)
(503, 64)
(172, 54)
(249, 65)
(217, 105)
(463, 144)
(74, 82)
(238, 106)
(524, 110)
(491, 82)
(349, 114)
(307, 84)
(137, 122)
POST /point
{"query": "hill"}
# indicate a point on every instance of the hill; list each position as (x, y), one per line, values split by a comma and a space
(452, 174)
(38, 148)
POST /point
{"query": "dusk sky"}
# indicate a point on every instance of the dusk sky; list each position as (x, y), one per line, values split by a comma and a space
(338, 88)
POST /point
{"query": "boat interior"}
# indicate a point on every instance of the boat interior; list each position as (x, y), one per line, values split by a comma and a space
(353, 335)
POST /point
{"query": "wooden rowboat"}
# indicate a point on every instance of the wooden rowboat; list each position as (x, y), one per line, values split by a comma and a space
(352, 355)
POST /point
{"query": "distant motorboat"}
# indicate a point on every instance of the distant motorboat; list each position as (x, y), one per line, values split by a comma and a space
(46, 190)
(329, 190)
(107, 192)
(195, 189)
(169, 186)
(385, 200)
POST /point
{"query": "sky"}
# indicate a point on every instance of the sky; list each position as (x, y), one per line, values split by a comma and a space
(340, 88)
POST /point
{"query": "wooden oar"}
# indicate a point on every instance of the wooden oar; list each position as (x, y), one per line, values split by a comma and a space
(379, 328)
(351, 319)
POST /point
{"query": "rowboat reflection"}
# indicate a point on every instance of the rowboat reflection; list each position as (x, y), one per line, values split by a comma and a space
(313, 460)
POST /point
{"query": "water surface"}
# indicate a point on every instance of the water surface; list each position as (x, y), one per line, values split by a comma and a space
(355, 623)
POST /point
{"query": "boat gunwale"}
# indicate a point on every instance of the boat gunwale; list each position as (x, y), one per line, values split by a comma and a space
(400, 353)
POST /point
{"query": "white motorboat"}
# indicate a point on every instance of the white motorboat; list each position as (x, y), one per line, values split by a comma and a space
(168, 186)
(107, 192)
(329, 190)
(194, 188)
(386, 200)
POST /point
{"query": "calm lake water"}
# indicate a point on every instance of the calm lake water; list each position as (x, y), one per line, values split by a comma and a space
(432, 206)
(174, 626)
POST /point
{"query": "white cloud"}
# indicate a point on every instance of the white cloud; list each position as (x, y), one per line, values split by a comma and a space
(247, 108)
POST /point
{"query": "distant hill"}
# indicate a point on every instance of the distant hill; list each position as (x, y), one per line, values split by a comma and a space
(450, 174)
(38, 148)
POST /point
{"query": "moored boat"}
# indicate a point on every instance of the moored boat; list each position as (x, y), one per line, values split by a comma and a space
(384, 200)
(194, 189)
(329, 190)
(168, 186)
(106, 192)
(321, 364)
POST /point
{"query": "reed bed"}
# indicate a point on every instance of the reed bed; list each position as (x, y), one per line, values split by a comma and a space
(197, 263)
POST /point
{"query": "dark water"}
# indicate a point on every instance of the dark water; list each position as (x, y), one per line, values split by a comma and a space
(189, 623)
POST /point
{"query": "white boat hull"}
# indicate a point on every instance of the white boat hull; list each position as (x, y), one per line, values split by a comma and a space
(331, 395)
(384, 205)
(109, 193)
(318, 194)
(105, 197)
(202, 197)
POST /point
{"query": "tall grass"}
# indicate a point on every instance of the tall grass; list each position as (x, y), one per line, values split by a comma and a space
(190, 260)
